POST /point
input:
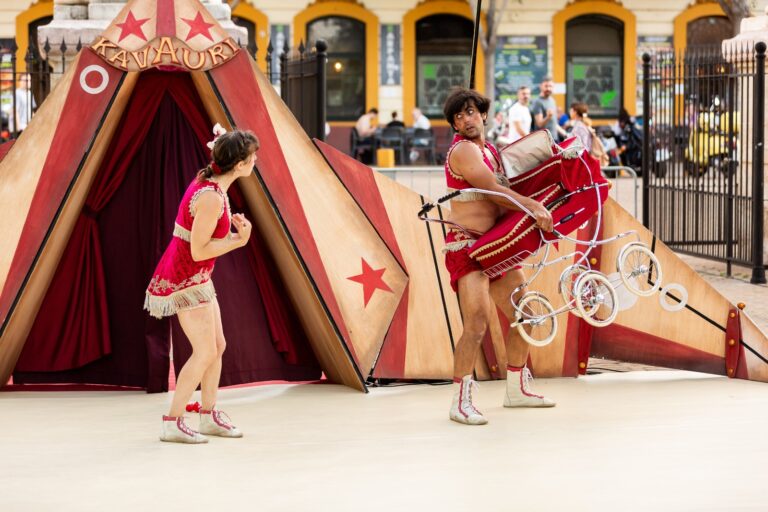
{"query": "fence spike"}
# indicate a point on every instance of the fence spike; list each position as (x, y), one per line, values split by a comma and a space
(301, 47)
(79, 45)
(47, 47)
(63, 47)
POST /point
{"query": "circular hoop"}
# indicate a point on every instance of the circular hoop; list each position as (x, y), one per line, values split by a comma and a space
(590, 291)
(680, 289)
(566, 283)
(94, 68)
(542, 321)
(634, 252)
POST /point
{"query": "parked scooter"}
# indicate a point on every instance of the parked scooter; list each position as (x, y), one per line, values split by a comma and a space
(710, 146)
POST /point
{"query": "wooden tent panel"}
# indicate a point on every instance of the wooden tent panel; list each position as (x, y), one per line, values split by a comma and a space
(345, 239)
(757, 368)
(334, 361)
(67, 151)
(685, 327)
(21, 168)
(211, 104)
(19, 324)
(248, 107)
(428, 348)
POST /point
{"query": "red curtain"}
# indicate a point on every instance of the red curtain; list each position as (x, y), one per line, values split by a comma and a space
(69, 337)
(73, 327)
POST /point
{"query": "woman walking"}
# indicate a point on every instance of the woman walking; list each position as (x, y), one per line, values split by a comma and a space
(181, 284)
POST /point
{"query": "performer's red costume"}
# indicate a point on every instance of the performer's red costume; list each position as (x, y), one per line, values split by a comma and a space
(458, 243)
(179, 281)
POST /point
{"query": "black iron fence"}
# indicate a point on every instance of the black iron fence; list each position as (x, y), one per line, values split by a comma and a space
(300, 75)
(303, 84)
(703, 153)
(24, 84)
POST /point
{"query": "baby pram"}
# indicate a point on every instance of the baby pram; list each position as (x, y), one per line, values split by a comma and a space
(568, 181)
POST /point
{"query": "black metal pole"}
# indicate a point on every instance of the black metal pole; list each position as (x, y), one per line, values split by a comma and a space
(322, 59)
(475, 35)
(646, 168)
(758, 268)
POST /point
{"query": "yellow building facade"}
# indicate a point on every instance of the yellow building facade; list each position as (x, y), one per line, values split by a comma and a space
(396, 53)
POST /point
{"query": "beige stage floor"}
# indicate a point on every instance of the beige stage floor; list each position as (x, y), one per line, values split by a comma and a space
(662, 441)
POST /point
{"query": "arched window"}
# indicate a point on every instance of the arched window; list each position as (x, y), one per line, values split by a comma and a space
(709, 31)
(250, 26)
(594, 64)
(257, 25)
(443, 49)
(346, 64)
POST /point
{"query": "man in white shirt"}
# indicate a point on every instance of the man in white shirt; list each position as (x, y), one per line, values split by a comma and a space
(25, 104)
(520, 115)
(420, 120)
(365, 124)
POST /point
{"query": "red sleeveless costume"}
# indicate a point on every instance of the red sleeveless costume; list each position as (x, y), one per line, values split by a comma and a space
(458, 243)
(179, 281)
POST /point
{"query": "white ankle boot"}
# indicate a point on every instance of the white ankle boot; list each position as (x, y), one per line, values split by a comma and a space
(217, 423)
(175, 430)
(518, 393)
(462, 409)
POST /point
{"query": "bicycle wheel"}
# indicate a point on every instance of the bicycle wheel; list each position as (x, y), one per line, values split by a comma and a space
(639, 269)
(541, 323)
(596, 299)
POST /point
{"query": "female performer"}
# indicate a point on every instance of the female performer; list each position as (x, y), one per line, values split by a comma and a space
(181, 284)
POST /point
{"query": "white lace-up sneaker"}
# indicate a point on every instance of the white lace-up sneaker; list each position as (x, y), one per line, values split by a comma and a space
(462, 409)
(217, 423)
(175, 430)
(519, 394)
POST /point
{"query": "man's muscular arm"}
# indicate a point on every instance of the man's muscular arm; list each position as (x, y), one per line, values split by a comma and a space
(467, 160)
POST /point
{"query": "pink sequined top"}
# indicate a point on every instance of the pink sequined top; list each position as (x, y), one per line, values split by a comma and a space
(179, 281)
(455, 181)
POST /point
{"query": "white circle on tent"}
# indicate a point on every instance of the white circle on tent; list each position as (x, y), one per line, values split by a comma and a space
(626, 298)
(94, 68)
(673, 305)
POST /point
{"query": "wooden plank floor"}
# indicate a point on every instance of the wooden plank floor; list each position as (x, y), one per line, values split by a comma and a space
(664, 440)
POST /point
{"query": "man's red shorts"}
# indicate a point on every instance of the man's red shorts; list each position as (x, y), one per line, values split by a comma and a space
(457, 261)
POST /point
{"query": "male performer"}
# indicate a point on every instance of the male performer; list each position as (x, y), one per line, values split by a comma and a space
(473, 163)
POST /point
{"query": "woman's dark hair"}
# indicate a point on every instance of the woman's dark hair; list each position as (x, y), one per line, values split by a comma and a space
(581, 108)
(230, 149)
(460, 98)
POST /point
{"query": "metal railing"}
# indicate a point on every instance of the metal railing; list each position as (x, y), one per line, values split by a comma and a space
(615, 188)
(429, 181)
(703, 153)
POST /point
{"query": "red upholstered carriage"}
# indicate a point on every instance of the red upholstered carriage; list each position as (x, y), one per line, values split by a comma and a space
(568, 181)
(569, 184)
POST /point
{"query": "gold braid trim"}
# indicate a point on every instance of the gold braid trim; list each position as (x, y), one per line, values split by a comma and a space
(210, 188)
(513, 231)
(192, 296)
(457, 246)
(524, 177)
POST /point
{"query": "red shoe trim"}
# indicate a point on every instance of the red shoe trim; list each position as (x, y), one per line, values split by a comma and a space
(219, 423)
(169, 418)
(524, 391)
(461, 396)
(511, 368)
(457, 380)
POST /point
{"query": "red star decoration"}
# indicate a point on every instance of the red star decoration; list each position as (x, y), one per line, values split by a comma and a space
(132, 26)
(371, 280)
(198, 26)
